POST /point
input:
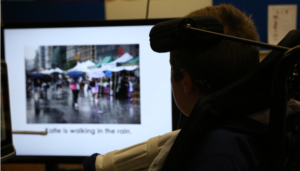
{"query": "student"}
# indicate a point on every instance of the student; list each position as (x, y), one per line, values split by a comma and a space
(196, 73)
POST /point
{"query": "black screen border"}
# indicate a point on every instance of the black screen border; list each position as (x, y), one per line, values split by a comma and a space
(7, 148)
(6, 106)
(178, 119)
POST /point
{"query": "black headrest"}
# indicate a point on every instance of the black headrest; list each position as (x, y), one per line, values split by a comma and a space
(171, 35)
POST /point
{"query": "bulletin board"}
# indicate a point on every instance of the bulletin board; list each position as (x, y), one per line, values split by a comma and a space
(259, 11)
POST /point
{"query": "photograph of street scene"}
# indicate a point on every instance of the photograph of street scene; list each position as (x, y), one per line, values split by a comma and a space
(83, 84)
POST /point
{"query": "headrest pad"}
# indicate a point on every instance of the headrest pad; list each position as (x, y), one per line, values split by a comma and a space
(172, 35)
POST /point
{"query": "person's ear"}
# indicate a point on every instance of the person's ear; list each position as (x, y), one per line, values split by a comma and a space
(187, 82)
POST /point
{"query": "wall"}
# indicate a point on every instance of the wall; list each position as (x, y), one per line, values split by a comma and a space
(259, 12)
(44, 11)
(136, 9)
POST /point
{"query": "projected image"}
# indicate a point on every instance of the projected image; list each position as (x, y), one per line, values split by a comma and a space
(83, 84)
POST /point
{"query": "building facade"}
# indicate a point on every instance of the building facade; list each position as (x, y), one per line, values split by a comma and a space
(70, 52)
(80, 53)
(115, 51)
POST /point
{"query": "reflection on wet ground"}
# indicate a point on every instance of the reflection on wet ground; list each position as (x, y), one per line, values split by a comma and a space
(59, 109)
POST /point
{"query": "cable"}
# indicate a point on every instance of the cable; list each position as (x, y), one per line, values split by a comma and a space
(238, 39)
(147, 9)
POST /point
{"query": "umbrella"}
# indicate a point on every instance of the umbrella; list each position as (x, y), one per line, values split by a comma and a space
(75, 74)
(108, 73)
(55, 73)
(40, 76)
(46, 78)
(96, 73)
(36, 75)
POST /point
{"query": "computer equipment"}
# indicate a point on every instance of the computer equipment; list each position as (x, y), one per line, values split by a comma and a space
(101, 124)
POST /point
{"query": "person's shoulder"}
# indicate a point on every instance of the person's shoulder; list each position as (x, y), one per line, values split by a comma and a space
(225, 136)
(229, 148)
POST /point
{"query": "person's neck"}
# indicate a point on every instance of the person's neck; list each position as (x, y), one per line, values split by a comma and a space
(192, 102)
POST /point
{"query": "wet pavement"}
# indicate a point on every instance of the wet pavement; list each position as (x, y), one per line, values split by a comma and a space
(58, 108)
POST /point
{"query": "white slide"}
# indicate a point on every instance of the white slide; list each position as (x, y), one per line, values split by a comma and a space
(84, 133)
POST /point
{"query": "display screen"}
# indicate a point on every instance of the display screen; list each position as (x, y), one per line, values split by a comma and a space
(93, 89)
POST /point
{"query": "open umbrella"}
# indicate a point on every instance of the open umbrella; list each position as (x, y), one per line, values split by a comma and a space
(46, 78)
(96, 73)
(108, 73)
(36, 75)
(75, 74)
(40, 76)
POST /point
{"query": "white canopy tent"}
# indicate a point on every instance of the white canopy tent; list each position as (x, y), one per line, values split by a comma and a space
(88, 63)
(58, 70)
(110, 66)
(50, 71)
(47, 71)
(83, 67)
(121, 68)
(74, 68)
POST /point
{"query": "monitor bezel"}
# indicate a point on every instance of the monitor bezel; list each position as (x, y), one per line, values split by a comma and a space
(177, 120)
(87, 23)
(7, 148)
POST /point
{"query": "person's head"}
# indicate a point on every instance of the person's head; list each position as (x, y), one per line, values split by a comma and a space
(196, 72)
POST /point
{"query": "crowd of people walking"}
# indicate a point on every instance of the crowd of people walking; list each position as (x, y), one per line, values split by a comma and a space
(124, 86)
